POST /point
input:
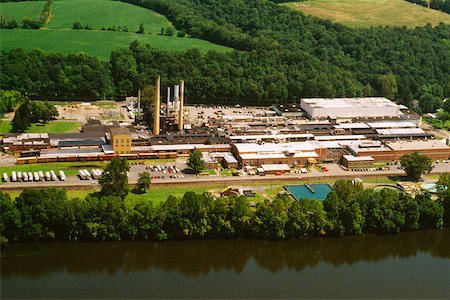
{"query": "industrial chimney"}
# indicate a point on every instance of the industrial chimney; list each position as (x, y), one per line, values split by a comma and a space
(180, 113)
(168, 102)
(156, 106)
(176, 98)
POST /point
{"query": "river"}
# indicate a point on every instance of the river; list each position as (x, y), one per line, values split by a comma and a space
(407, 265)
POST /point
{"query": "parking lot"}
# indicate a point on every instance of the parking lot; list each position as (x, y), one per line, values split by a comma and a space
(172, 172)
(201, 113)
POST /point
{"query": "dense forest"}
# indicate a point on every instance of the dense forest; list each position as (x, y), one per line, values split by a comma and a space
(44, 215)
(281, 55)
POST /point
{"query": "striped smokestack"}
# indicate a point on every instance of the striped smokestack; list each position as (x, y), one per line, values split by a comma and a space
(180, 113)
(156, 106)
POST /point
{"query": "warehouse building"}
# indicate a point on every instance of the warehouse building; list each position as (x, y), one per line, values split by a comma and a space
(294, 153)
(393, 150)
(341, 108)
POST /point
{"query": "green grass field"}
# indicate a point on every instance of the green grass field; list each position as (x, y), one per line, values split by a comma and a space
(105, 13)
(18, 10)
(51, 127)
(366, 13)
(59, 37)
(95, 43)
(154, 195)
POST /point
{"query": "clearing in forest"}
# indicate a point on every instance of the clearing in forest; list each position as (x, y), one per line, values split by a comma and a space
(367, 13)
(106, 13)
(59, 36)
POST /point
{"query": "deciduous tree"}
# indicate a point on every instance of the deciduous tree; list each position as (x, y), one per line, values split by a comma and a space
(415, 165)
(114, 180)
(195, 161)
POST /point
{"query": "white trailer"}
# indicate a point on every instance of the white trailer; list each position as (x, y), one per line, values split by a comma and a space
(41, 175)
(5, 177)
(25, 176)
(53, 175)
(83, 175)
(19, 176)
(62, 176)
(86, 172)
(96, 173)
(36, 176)
(47, 176)
(30, 176)
(13, 176)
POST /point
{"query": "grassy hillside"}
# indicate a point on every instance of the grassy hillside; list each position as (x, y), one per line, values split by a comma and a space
(366, 13)
(59, 37)
(18, 10)
(105, 13)
(93, 42)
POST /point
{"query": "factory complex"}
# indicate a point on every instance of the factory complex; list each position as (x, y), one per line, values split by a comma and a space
(354, 132)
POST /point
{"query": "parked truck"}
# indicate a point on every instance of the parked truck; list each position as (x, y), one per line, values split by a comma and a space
(53, 175)
(36, 176)
(47, 176)
(13, 176)
(62, 176)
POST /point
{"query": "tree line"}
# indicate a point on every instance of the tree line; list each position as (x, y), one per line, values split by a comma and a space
(281, 55)
(48, 214)
(442, 5)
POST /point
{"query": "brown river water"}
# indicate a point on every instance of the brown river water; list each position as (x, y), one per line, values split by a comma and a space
(407, 265)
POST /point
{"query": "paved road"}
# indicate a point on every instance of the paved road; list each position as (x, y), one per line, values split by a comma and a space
(334, 172)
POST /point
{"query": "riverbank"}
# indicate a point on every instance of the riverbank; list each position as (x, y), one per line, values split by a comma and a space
(349, 209)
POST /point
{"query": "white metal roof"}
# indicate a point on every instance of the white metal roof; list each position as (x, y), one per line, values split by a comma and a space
(349, 102)
(271, 136)
(400, 131)
(275, 167)
(376, 125)
(358, 158)
(339, 137)
(273, 147)
(351, 126)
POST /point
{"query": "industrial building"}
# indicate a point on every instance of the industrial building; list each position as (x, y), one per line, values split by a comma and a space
(319, 108)
(120, 140)
(357, 162)
(239, 137)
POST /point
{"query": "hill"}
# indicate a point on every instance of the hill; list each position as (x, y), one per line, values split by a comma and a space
(106, 13)
(18, 10)
(284, 55)
(364, 13)
(98, 14)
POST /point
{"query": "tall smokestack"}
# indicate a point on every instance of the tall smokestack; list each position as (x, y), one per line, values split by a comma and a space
(139, 105)
(168, 101)
(156, 106)
(180, 114)
(176, 98)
